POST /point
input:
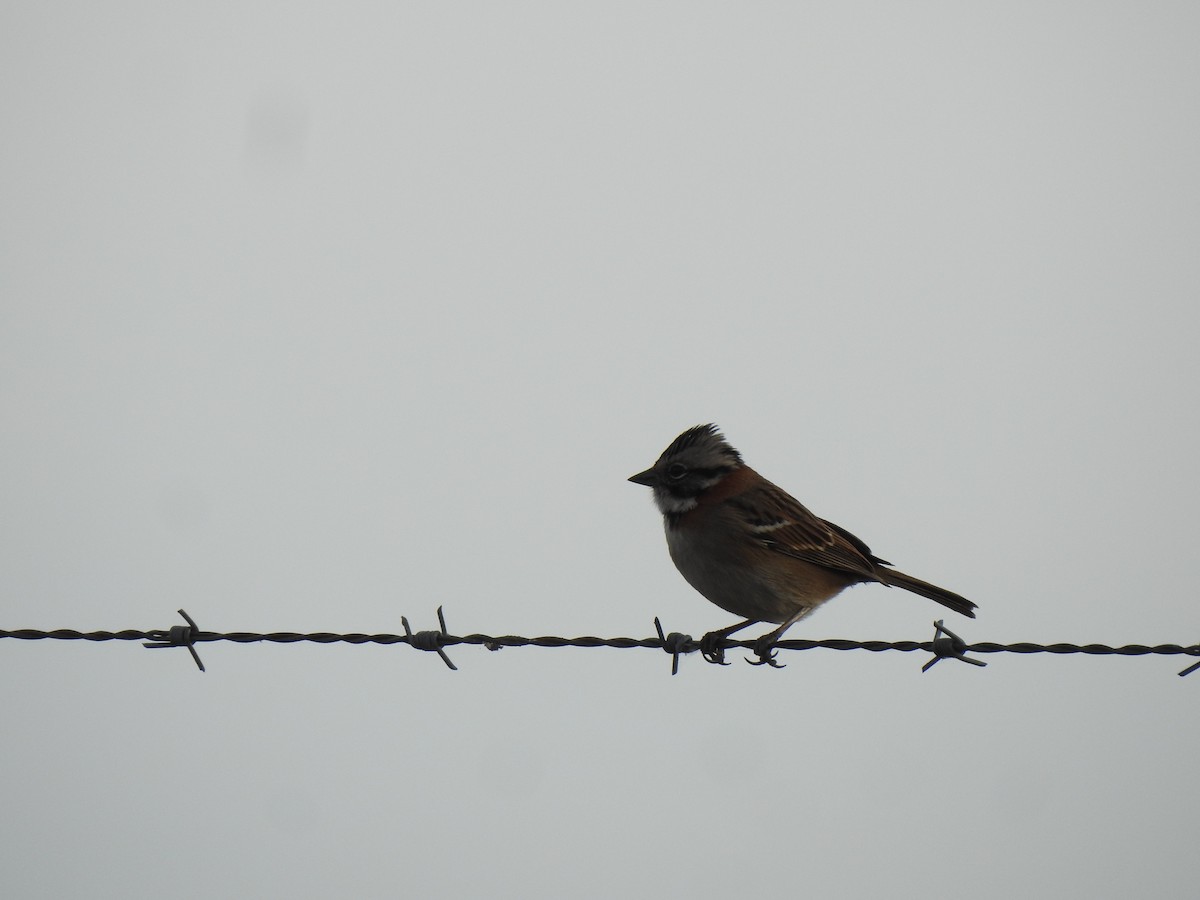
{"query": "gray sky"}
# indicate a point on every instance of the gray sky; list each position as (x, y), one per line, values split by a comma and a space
(314, 315)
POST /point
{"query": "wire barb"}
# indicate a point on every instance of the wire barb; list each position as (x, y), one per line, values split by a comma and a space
(177, 636)
(675, 644)
(1192, 668)
(948, 645)
(430, 640)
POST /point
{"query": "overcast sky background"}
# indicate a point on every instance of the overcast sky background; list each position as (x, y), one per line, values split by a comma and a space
(313, 316)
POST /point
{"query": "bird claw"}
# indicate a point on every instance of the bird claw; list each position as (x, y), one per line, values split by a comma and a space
(766, 653)
(711, 649)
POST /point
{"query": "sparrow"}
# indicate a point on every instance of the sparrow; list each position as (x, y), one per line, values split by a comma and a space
(752, 548)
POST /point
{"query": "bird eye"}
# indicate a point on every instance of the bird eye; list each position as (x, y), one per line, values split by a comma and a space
(675, 471)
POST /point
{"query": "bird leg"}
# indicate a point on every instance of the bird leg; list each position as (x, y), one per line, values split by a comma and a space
(710, 644)
(764, 647)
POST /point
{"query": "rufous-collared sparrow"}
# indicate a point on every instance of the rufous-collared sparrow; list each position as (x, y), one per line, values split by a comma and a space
(753, 549)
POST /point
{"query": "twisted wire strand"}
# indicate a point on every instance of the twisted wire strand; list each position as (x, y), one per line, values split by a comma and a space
(587, 641)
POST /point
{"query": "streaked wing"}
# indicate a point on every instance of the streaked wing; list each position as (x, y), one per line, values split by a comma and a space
(784, 525)
(858, 544)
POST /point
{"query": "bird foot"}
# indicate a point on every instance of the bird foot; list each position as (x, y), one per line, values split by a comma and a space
(711, 649)
(764, 649)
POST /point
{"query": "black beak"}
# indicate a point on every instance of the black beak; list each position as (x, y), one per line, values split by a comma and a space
(648, 478)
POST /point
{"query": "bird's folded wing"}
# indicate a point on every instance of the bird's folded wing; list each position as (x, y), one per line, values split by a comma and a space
(782, 524)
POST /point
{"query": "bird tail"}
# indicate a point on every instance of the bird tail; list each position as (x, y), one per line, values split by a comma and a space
(947, 598)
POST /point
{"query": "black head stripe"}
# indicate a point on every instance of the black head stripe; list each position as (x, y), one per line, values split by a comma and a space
(708, 437)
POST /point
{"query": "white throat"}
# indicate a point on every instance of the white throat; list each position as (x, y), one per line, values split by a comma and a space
(669, 504)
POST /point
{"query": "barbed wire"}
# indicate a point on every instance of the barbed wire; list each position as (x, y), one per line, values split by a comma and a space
(944, 645)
